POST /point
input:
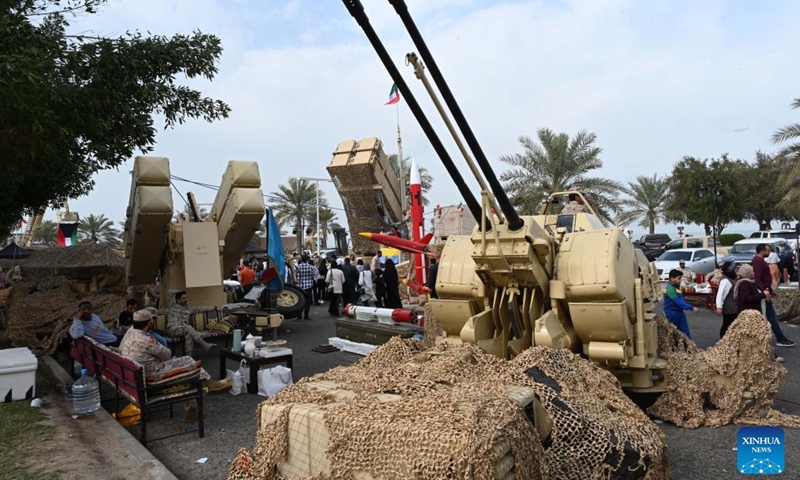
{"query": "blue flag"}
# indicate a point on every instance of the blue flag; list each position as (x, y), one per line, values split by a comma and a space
(275, 251)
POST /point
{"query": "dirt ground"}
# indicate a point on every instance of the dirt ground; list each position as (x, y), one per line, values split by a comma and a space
(93, 452)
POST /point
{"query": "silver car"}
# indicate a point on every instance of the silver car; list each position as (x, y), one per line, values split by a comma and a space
(699, 260)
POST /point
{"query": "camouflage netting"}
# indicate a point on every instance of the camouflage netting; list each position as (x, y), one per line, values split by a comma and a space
(744, 356)
(84, 260)
(787, 305)
(454, 419)
(40, 311)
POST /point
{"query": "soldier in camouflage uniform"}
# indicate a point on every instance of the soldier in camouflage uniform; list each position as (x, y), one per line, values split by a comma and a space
(178, 323)
(139, 346)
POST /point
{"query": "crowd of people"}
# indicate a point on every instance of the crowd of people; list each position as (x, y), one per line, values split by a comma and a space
(741, 287)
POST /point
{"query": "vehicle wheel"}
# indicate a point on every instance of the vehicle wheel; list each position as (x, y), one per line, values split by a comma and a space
(291, 301)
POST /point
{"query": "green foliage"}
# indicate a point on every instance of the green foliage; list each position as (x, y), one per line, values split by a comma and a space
(71, 106)
(295, 204)
(48, 233)
(728, 239)
(558, 164)
(425, 177)
(647, 202)
(759, 183)
(685, 205)
(98, 229)
(789, 180)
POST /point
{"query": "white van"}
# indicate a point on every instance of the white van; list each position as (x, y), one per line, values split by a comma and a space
(788, 235)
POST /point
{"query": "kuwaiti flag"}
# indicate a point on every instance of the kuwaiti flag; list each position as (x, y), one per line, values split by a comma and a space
(394, 95)
(67, 234)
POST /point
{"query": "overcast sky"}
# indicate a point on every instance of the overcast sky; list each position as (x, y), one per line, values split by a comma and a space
(655, 80)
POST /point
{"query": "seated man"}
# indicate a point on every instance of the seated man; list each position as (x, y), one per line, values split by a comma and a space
(87, 323)
(156, 358)
(178, 318)
(126, 321)
(688, 277)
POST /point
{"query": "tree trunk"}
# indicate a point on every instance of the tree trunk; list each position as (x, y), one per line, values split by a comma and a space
(707, 229)
(299, 236)
(652, 227)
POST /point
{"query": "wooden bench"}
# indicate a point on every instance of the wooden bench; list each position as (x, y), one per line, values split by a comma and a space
(129, 379)
(203, 321)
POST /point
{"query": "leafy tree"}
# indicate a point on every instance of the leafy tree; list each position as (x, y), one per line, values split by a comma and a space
(759, 183)
(72, 105)
(789, 180)
(98, 229)
(558, 164)
(295, 204)
(718, 206)
(425, 177)
(647, 202)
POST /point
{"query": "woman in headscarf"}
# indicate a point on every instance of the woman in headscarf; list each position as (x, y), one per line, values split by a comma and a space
(323, 274)
(726, 304)
(392, 282)
(747, 295)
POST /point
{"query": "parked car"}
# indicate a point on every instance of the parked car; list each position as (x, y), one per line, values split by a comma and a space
(652, 245)
(698, 242)
(788, 235)
(743, 250)
(700, 260)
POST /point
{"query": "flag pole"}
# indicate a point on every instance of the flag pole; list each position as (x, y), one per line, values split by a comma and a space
(400, 163)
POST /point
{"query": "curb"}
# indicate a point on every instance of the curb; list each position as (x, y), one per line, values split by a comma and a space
(135, 449)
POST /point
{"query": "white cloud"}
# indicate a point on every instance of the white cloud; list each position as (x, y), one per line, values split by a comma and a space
(654, 80)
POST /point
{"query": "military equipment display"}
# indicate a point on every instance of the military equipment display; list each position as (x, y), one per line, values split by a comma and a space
(369, 188)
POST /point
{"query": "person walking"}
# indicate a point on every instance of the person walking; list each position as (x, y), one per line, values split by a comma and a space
(379, 285)
(763, 280)
(392, 282)
(323, 273)
(304, 274)
(349, 294)
(674, 304)
(365, 284)
(335, 282)
(726, 303)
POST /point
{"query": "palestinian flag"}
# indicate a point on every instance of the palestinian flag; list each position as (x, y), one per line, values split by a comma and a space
(67, 234)
(394, 95)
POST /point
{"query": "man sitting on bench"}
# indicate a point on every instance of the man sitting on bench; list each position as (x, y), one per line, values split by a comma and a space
(178, 317)
(87, 323)
(156, 358)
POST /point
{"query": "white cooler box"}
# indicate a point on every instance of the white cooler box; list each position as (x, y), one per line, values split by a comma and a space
(17, 374)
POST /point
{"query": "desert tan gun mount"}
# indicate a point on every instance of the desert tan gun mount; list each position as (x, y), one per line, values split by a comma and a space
(563, 281)
(190, 255)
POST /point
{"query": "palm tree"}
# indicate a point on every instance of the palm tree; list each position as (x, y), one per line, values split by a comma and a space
(202, 211)
(48, 233)
(426, 179)
(98, 229)
(558, 164)
(327, 222)
(293, 203)
(648, 198)
(258, 235)
(790, 179)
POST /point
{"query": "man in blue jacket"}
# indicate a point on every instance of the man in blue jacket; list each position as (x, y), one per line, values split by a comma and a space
(674, 304)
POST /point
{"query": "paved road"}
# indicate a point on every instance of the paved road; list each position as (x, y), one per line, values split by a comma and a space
(702, 453)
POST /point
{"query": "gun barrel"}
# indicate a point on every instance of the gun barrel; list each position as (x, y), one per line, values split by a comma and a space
(514, 221)
(356, 9)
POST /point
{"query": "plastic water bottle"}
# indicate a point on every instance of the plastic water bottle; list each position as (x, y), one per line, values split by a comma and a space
(85, 394)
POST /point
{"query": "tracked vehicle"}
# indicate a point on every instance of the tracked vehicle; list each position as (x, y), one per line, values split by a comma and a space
(551, 279)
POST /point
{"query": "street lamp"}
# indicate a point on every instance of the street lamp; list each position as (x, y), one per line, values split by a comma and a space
(317, 180)
(716, 189)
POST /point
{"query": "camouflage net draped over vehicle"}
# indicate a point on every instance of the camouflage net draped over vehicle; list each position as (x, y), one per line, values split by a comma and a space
(447, 412)
(40, 311)
(787, 305)
(700, 396)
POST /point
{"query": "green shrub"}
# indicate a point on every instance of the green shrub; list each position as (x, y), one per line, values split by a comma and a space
(728, 239)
